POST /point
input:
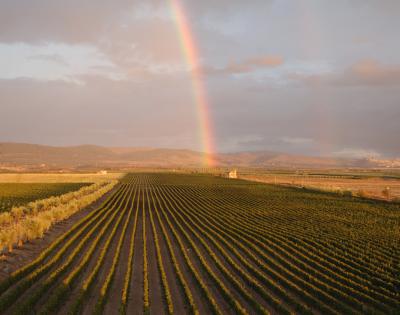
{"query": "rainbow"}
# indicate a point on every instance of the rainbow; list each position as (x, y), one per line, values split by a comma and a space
(191, 53)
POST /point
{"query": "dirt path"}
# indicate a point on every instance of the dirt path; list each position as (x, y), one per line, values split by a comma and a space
(172, 278)
(135, 298)
(114, 296)
(157, 301)
(199, 298)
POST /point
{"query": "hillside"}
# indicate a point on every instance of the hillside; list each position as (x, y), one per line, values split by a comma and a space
(19, 155)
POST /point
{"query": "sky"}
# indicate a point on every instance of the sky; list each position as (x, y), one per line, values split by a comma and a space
(314, 77)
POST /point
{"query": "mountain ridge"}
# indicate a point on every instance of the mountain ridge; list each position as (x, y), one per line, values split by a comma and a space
(44, 156)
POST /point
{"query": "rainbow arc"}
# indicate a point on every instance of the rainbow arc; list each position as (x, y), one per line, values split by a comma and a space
(191, 53)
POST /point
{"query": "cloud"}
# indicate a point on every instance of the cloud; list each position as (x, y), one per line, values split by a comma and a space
(54, 61)
(72, 21)
(247, 65)
(368, 72)
(50, 112)
(260, 142)
(296, 140)
(56, 58)
(371, 72)
(356, 153)
(133, 73)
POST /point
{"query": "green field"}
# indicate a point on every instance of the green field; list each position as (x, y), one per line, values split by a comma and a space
(16, 194)
(194, 244)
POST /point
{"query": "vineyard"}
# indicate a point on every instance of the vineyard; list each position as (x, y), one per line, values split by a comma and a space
(196, 244)
(16, 194)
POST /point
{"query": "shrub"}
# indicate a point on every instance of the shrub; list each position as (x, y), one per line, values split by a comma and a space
(347, 193)
(5, 218)
(17, 212)
(386, 192)
(361, 193)
(34, 219)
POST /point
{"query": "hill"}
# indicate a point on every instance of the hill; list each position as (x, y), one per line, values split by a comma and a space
(28, 156)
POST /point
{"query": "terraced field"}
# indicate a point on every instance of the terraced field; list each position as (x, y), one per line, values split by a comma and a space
(178, 244)
(16, 194)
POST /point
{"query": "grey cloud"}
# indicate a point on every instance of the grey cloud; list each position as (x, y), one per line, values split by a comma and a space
(355, 153)
(247, 65)
(62, 113)
(153, 104)
(319, 121)
(367, 72)
(83, 21)
(334, 119)
(56, 20)
(370, 73)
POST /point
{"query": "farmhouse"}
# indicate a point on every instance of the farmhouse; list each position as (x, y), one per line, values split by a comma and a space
(232, 174)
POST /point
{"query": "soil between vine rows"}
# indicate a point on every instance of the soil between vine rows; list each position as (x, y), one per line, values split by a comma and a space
(215, 245)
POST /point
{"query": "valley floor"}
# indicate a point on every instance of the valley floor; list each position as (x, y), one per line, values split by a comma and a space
(187, 244)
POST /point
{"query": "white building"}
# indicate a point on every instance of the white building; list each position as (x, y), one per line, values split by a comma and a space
(232, 174)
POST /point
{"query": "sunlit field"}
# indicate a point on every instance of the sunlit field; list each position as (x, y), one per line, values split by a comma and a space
(168, 243)
(378, 184)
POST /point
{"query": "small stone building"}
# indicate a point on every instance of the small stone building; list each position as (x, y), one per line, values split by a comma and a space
(232, 174)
